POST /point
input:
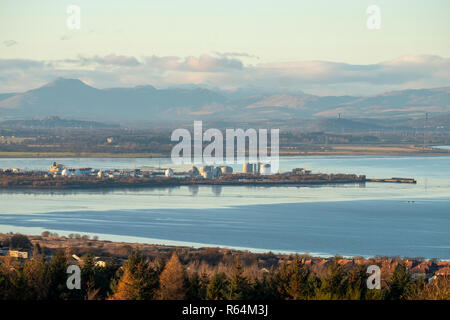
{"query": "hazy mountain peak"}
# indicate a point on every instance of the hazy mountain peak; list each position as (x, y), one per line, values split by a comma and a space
(73, 98)
(64, 82)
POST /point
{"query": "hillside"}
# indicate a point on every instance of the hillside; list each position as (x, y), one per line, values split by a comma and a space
(72, 98)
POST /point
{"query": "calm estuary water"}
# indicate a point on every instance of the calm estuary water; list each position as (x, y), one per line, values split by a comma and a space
(367, 220)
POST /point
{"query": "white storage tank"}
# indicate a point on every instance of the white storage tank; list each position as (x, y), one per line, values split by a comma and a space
(169, 173)
(207, 175)
(247, 168)
(204, 169)
(217, 172)
(226, 170)
(194, 171)
(265, 168)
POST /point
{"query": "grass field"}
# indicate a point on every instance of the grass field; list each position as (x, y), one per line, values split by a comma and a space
(78, 155)
(332, 150)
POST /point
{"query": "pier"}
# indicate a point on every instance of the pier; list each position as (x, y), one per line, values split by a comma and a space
(393, 180)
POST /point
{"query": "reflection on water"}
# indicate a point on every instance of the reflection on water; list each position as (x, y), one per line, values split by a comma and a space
(216, 189)
(367, 228)
(193, 190)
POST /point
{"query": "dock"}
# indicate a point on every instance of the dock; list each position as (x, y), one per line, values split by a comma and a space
(393, 180)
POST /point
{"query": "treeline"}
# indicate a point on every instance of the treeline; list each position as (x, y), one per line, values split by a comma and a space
(140, 278)
(157, 139)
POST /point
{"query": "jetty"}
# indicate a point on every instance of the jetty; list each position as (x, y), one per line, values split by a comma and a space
(393, 180)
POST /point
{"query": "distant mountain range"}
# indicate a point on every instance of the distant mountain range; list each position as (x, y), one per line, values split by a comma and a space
(72, 98)
(56, 122)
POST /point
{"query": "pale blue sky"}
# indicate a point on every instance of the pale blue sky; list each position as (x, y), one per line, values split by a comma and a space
(272, 30)
(268, 31)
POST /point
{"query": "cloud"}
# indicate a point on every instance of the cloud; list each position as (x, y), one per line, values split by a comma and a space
(108, 60)
(227, 71)
(204, 63)
(65, 37)
(396, 71)
(10, 43)
(235, 55)
(20, 64)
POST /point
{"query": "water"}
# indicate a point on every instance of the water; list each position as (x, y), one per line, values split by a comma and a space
(371, 219)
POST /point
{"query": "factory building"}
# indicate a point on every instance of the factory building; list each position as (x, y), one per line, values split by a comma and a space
(56, 167)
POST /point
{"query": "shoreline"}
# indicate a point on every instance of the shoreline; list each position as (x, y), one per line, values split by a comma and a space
(166, 238)
(62, 241)
(10, 181)
(44, 155)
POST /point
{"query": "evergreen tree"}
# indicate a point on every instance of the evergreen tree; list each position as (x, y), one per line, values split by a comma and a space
(217, 287)
(196, 289)
(238, 288)
(56, 274)
(13, 282)
(400, 284)
(265, 288)
(139, 280)
(299, 287)
(334, 286)
(88, 275)
(357, 283)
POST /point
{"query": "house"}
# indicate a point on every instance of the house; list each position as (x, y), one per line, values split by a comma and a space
(18, 254)
(101, 264)
(424, 270)
(443, 272)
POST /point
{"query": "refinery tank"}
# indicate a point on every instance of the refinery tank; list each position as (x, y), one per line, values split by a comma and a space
(204, 169)
(207, 175)
(193, 172)
(265, 168)
(217, 172)
(226, 170)
(169, 173)
(247, 168)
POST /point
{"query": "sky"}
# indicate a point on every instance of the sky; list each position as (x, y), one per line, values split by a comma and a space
(320, 47)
